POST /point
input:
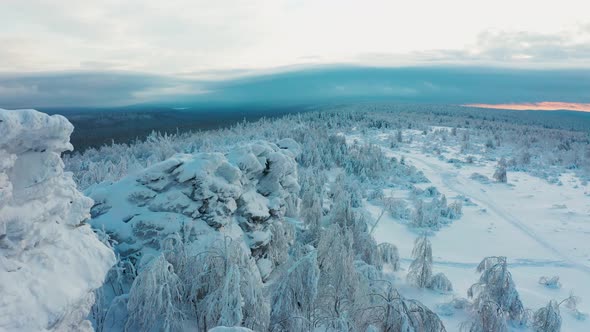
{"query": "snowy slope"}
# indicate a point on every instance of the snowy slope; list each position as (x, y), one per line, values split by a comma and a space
(50, 260)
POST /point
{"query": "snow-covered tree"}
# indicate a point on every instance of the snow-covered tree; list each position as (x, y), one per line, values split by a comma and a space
(338, 279)
(223, 307)
(420, 271)
(293, 299)
(547, 318)
(392, 313)
(488, 317)
(222, 285)
(496, 285)
(156, 299)
(389, 255)
(500, 172)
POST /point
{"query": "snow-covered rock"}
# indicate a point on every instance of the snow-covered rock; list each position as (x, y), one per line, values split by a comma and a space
(204, 197)
(50, 259)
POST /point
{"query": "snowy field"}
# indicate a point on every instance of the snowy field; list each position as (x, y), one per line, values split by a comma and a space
(542, 228)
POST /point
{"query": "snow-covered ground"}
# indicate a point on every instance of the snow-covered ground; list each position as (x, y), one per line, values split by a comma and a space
(542, 228)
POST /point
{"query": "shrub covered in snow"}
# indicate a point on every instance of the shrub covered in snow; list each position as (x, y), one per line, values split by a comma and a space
(434, 213)
(440, 282)
(50, 260)
(488, 317)
(550, 282)
(392, 312)
(547, 318)
(496, 286)
(500, 172)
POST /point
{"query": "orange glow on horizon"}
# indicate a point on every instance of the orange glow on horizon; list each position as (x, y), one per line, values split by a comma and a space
(540, 106)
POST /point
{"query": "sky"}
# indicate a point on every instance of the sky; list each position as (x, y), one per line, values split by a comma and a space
(178, 41)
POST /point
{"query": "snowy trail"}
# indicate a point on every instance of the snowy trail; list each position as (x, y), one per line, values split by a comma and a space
(518, 262)
(450, 181)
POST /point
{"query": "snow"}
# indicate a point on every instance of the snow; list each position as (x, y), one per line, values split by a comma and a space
(229, 329)
(203, 200)
(541, 227)
(50, 260)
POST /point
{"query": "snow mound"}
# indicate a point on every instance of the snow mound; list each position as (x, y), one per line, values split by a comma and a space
(243, 194)
(50, 259)
(229, 329)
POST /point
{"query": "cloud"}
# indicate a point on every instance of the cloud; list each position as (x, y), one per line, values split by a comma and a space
(565, 49)
(297, 86)
(188, 36)
(89, 89)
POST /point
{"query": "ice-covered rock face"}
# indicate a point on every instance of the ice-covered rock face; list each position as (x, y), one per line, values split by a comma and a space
(242, 194)
(50, 260)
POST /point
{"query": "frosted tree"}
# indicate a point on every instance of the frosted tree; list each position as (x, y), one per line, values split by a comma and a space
(418, 215)
(338, 280)
(440, 282)
(392, 313)
(222, 285)
(500, 172)
(312, 213)
(389, 255)
(223, 307)
(420, 271)
(547, 318)
(283, 237)
(156, 299)
(496, 285)
(292, 300)
(488, 317)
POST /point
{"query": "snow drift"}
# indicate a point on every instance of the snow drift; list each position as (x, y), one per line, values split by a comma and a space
(50, 259)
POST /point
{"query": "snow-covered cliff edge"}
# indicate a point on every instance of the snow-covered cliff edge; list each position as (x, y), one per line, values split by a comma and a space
(50, 259)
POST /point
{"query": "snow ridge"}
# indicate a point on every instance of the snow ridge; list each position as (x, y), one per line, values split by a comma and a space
(50, 259)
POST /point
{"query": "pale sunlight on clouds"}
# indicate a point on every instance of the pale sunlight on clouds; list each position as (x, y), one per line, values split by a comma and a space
(182, 36)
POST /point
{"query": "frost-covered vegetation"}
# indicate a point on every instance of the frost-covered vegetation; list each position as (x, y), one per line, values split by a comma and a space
(273, 225)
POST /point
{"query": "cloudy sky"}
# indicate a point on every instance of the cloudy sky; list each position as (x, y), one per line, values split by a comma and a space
(217, 39)
(193, 36)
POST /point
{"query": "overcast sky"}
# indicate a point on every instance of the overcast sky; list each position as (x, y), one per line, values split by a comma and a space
(196, 37)
(120, 52)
